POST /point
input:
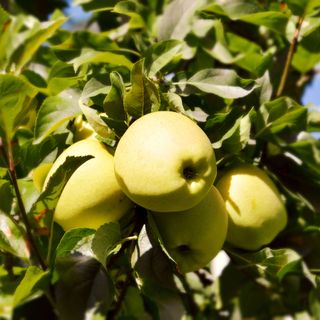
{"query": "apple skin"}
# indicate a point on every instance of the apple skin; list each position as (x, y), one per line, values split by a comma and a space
(195, 236)
(92, 195)
(165, 162)
(256, 211)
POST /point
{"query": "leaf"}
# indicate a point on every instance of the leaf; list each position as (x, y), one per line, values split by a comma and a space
(82, 285)
(221, 82)
(220, 50)
(271, 262)
(175, 23)
(15, 100)
(41, 213)
(96, 122)
(234, 9)
(31, 44)
(250, 11)
(93, 88)
(132, 9)
(308, 151)
(303, 7)
(62, 77)
(73, 241)
(160, 54)
(54, 112)
(307, 55)
(275, 21)
(105, 240)
(143, 96)
(6, 196)
(34, 280)
(90, 56)
(113, 102)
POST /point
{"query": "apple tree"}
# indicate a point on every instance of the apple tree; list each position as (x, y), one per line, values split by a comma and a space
(238, 69)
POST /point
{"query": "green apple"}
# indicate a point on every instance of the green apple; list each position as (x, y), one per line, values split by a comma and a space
(40, 173)
(165, 162)
(193, 237)
(256, 211)
(92, 195)
(82, 129)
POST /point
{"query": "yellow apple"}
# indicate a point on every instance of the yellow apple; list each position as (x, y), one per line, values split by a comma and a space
(92, 195)
(256, 211)
(193, 237)
(165, 162)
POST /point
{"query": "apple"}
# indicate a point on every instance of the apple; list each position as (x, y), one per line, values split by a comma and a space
(256, 211)
(92, 195)
(193, 237)
(40, 173)
(82, 129)
(165, 162)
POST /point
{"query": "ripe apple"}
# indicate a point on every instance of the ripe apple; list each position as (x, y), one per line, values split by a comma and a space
(193, 237)
(92, 195)
(165, 162)
(256, 211)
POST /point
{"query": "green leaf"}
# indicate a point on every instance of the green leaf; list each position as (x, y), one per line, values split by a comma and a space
(54, 112)
(221, 82)
(34, 280)
(82, 286)
(93, 88)
(113, 103)
(175, 23)
(73, 241)
(105, 240)
(61, 77)
(90, 56)
(143, 96)
(6, 196)
(31, 44)
(160, 54)
(96, 122)
(15, 102)
(271, 263)
(234, 9)
(309, 153)
(275, 21)
(250, 11)
(132, 9)
(307, 55)
(41, 213)
(303, 7)
(12, 239)
(280, 118)
(220, 50)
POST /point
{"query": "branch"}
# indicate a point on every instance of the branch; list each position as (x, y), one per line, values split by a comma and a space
(13, 177)
(289, 58)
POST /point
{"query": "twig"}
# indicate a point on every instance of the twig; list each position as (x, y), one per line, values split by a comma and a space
(13, 176)
(289, 58)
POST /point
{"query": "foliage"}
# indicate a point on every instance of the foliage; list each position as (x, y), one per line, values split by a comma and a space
(236, 67)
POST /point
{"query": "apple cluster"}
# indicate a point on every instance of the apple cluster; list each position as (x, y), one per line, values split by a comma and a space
(165, 163)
